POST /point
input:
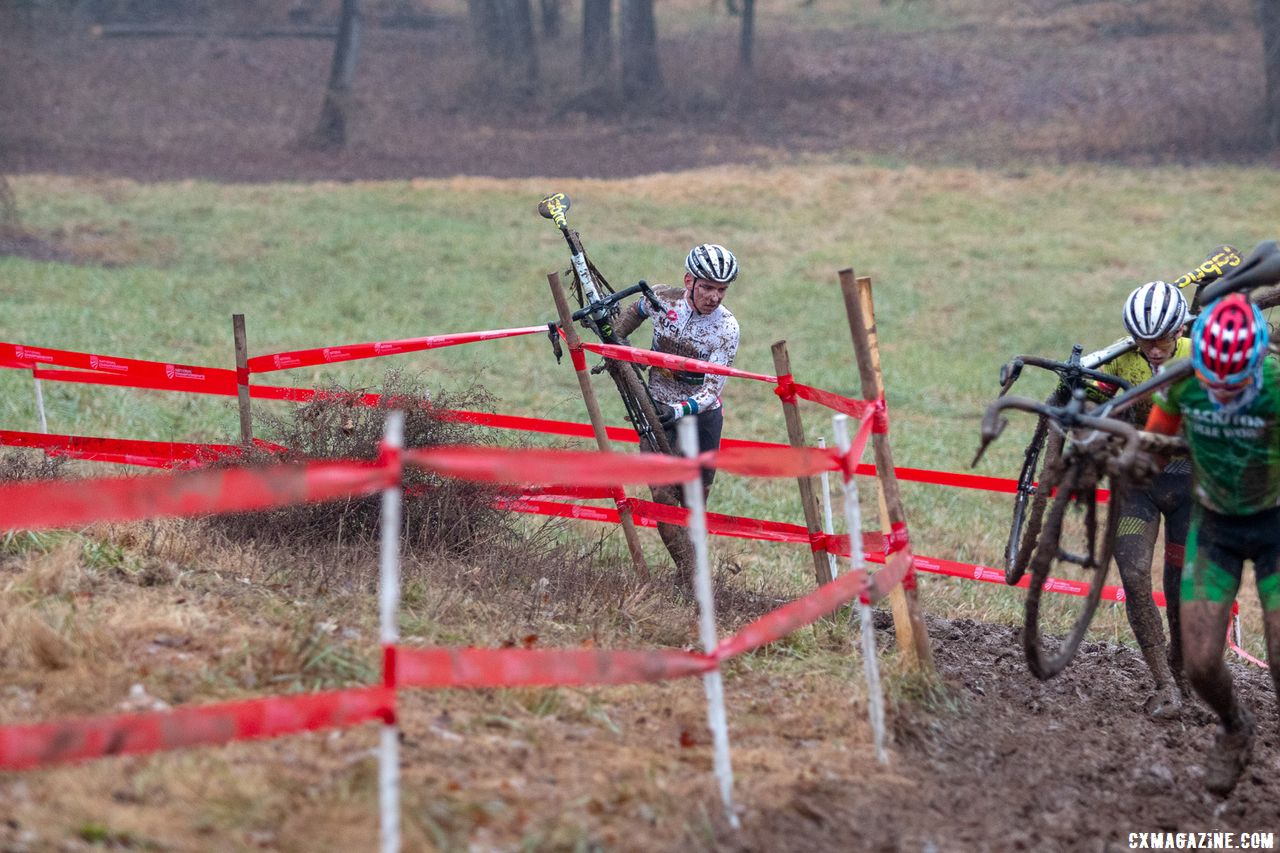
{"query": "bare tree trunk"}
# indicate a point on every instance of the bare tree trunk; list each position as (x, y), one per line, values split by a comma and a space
(597, 39)
(551, 18)
(331, 132)
(747, 36)
(10, 225)
(504, 30)
(525, 52)
(641, 74)
(1269, 21)
(486, 26)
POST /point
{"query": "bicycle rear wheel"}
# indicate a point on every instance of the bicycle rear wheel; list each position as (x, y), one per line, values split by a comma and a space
(1042, 455)
(1071, 545)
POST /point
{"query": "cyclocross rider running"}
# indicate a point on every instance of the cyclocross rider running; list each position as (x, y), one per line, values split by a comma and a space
(1230, 414)
(1155, 315)
(694, 324)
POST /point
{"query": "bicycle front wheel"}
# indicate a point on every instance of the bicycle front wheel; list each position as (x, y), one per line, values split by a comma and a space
(639, 405)
(1072, 546)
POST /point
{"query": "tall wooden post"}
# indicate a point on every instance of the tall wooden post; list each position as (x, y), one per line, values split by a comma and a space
(908, 623)
(597, 420)
(242, 378)
(808, 497)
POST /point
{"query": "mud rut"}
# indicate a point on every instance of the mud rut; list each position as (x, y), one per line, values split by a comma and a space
(1023, 765)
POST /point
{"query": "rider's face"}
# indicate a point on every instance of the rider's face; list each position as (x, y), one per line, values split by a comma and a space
(1223, 396)
(1159, 351)
(706, 296)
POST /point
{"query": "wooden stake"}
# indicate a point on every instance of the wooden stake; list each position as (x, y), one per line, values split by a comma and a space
(808, 496)
(242, 378)
(913, 639)
(597, 421)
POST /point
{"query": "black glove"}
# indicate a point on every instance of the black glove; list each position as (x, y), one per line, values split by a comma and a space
(668, 414)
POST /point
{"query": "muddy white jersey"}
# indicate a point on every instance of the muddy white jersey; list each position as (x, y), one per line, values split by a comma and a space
(680, 330)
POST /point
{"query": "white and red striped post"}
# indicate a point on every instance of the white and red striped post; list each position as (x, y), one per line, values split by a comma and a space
(717, 719)
(853, 521)
(44, 423)
(388, 607)
(828, 523)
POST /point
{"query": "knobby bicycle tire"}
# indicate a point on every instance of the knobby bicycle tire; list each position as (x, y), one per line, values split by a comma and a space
(1022, 500)
(1041, 455)
(1032, 509)
(1079, 477)
(639, 406)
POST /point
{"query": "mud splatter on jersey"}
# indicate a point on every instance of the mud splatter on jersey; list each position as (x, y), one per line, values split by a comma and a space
(680, 330)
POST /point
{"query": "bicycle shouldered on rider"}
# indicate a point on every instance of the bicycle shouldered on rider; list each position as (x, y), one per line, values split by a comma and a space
(692, 323)
(1229, 413)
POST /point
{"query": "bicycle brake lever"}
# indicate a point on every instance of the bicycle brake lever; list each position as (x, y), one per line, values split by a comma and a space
(1009, 373)
(992, 426)
(650, 295)
(553, 333)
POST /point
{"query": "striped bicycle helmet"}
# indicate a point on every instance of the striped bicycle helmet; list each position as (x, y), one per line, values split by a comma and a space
(1154, 311)
(712, 262)
(1228, 342)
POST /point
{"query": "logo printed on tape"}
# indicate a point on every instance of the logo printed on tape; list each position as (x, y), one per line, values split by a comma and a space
(280, 360)
(174, 372)
(101, 362)
(29, 354)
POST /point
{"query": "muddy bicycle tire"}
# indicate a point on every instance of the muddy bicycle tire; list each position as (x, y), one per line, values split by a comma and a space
(1030, 501)
(1077, 478)
(639, 406)
(1041, 457)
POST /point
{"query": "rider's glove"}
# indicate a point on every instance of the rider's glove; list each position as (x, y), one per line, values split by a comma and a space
(672, 412)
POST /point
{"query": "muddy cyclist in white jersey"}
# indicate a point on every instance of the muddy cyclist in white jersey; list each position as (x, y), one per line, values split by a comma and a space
(693, 323)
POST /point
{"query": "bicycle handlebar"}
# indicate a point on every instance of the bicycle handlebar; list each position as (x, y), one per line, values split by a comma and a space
(1073, 371)
(1069, 417)
(606, 303)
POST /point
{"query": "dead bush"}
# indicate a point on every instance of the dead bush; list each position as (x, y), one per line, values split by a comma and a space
(18, 465)
(442, 517)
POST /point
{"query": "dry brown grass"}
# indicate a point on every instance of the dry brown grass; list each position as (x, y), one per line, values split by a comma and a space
(134, 617)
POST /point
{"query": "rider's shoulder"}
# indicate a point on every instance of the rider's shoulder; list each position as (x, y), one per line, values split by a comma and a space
(668, 293)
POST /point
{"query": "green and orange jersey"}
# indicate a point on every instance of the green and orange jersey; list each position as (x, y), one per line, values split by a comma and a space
(1235, 451)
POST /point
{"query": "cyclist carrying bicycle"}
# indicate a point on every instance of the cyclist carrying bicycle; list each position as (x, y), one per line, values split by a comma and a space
(1155, 315)
(693, 323)
(1230, 415)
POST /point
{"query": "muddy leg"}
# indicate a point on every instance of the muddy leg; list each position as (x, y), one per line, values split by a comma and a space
(675, 537)
(1271, 624)
(1204, 637)
(1173, 558)
(1134, 546)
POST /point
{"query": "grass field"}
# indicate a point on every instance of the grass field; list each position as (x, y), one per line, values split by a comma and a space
(969, 268)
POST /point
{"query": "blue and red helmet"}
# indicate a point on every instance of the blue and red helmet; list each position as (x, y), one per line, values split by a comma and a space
(1228, 342)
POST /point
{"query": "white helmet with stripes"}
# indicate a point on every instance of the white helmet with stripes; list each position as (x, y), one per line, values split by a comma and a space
(712, 262)
(1154, 311)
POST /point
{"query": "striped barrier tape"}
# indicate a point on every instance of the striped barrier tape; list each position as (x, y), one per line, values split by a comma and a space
(24, 747)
